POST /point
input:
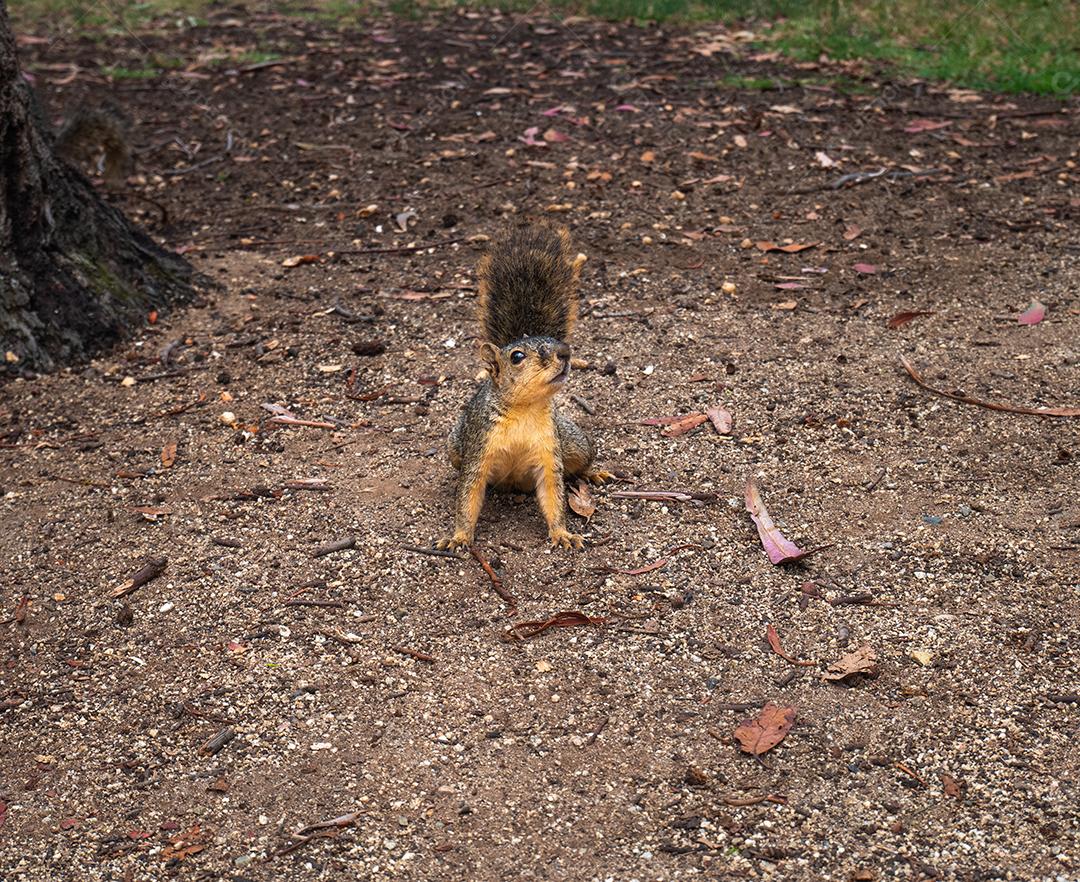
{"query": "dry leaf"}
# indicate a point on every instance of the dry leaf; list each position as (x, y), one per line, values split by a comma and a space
(581, 502)
(951, 786)
(682, 425)
(852, 231)
(786, 306)
(925, 125)
(774, 642)
(793, 248)
(298, 259)
(721, 419)
(776, 545)
(923, 657)
(865, 268)
(152, 512)
(762, 733)
(168, 455)
(902, 318)
(648, 156)
(862, 661)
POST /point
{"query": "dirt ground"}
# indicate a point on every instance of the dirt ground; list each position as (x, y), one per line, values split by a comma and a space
(392, 696)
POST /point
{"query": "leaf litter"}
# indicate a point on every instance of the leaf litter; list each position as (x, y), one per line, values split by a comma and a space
(780, 549)
(760, 734)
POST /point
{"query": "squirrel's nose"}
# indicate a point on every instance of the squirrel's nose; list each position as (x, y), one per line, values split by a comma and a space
(562, 352)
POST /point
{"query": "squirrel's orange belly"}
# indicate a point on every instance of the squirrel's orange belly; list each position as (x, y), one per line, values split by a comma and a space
(514, 470)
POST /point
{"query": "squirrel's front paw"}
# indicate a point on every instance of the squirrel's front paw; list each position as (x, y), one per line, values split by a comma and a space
(598, 476)
(562, 538)
(453, 543)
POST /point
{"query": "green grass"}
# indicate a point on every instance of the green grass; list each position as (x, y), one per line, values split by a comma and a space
(1002, 45)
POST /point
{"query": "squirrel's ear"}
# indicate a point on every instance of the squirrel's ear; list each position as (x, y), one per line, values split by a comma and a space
(490, 355)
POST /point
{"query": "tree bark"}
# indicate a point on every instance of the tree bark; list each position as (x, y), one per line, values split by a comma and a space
(75, 275)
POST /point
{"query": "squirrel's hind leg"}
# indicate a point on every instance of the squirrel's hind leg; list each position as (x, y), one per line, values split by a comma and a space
(578, 452)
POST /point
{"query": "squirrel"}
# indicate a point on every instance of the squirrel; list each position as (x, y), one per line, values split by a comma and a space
(100, 135)
(510, 434)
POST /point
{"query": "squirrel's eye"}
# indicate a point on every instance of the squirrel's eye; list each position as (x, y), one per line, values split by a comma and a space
(517, 357)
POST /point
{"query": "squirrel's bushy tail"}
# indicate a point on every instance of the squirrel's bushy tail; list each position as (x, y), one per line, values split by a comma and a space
(528, 285)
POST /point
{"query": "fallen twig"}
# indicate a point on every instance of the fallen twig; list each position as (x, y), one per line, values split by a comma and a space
(989, 405)
(434, 552)
(323, 828)
(336, 545)
(415, 653)
(215, 744)
(665, 495)
(321, 603)
(754, 800)
(583, 404)
(596, 732)
(648, 568)
(496, 581)
(150, 570)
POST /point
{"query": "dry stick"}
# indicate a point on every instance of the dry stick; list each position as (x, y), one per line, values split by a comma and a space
(150, 570)
(336, 545)
(305, 834)
(415, 653)
(754, 800)
(596, 732)
(215, 744)
(583, 404)
(327, 603)
(989, 405)
(434, 552)
(496, 582)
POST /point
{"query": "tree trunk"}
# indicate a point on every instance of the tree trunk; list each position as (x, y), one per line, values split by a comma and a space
(75, 275)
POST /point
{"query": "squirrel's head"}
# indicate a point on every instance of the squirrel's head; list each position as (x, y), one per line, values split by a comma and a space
(529, 370)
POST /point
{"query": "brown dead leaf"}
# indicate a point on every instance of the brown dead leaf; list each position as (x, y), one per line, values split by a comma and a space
(721, 419)
(852, 231)
(682, 425)
(902, 318)
(793, 248)
(773, 636)
(862, 661)
(298, 259)
(581, 501)
(152, 512)
(168, 455)
(951, 786)
(648, 156)
(762, 733)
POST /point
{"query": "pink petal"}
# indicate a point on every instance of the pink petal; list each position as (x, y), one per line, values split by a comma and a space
(867, 268)
(530, 137)
(1033, 314)
(776, 545)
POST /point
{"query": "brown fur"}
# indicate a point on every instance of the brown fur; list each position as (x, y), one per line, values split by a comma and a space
(528, 286)
(511, 434)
